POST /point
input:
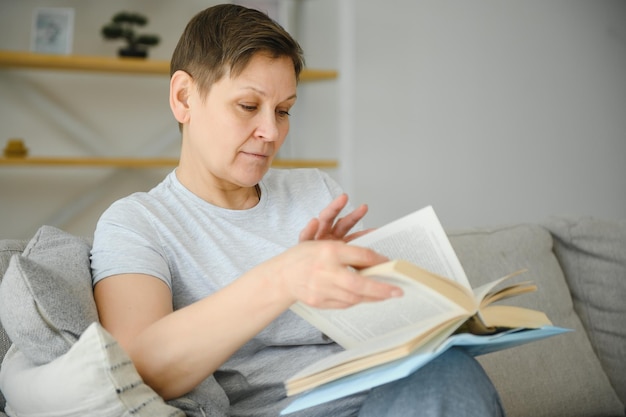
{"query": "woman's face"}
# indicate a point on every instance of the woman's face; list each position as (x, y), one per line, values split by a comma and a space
(233, 134)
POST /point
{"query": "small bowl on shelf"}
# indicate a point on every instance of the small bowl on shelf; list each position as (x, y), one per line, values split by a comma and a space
(15, 148)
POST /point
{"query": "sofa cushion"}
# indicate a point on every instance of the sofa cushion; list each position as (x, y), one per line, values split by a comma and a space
(46, 297)
(8, 248)
(529, 377)
(95, 377)
(592, 253)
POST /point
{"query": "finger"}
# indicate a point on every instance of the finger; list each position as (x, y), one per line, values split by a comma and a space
(339, 296)
(355, 235)
(329, 214)
(345, 224)
(336, 304)
(355, 289)
(309, 231)
(373, 290)
(358, 256)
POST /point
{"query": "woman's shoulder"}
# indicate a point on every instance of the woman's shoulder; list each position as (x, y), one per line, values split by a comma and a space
(140, 201)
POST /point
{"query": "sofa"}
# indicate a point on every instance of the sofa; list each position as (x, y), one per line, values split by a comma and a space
(59, 361)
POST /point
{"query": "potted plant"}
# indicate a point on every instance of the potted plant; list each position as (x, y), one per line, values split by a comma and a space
(122, 27)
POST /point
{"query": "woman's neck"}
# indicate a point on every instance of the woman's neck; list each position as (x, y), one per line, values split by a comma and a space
(235, 198)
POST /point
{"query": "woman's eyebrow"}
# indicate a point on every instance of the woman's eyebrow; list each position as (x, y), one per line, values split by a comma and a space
(263, 93)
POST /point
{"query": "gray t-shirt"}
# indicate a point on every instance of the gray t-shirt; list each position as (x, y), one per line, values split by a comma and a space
(197, 248)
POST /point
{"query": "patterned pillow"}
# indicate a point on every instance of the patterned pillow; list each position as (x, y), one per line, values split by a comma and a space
(95, 377)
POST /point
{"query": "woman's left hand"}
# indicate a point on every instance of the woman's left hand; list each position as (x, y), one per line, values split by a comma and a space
(328, 226)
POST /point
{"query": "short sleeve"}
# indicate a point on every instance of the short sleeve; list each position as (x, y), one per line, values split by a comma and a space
(126, 242)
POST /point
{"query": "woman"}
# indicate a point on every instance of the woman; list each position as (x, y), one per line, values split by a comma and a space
(195, 278)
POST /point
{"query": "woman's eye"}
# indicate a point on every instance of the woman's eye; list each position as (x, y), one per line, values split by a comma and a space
(283, 113)
(248, 107)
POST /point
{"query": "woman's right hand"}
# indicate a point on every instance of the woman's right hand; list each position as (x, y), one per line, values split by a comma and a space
(328, 224)
(324, 274)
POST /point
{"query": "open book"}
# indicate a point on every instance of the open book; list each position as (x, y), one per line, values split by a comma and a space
(388, 340)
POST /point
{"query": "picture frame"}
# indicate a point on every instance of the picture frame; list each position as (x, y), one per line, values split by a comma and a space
(52, 30)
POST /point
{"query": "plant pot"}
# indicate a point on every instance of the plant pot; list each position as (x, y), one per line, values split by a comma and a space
(132, 52)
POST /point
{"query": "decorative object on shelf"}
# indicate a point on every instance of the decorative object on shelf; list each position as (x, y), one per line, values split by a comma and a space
(53, 30)
(122, 27)
(15, 149)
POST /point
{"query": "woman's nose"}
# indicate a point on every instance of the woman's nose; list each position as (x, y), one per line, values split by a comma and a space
(268, 127)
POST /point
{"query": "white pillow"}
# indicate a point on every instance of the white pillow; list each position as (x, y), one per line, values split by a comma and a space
(94, 378)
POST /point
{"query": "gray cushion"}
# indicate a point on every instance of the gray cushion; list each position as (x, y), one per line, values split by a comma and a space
(8, 248)
(559, 376)
(46, 297)
(592, 253)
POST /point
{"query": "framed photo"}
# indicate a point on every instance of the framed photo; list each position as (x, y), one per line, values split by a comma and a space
(53, 30)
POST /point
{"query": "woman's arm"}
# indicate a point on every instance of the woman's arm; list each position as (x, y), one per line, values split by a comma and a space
(175, 350)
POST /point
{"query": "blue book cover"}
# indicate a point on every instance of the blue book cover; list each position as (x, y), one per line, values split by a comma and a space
(400, 368)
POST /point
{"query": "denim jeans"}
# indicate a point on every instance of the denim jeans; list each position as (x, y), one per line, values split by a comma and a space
(454, 384)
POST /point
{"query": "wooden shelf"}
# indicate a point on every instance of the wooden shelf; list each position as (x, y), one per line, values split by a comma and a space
(17, 59)
(102, 64)
(94, 162)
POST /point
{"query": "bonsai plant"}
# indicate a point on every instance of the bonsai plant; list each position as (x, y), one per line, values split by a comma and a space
(122, 27)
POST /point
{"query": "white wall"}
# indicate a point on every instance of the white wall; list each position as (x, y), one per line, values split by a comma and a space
(493, 112)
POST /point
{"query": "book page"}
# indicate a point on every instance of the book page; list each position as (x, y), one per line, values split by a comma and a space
(351, 326)
(418, 238)
(426, 337)
(513, 317)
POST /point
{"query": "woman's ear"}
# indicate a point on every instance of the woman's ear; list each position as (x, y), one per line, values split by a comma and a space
(181, 85)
